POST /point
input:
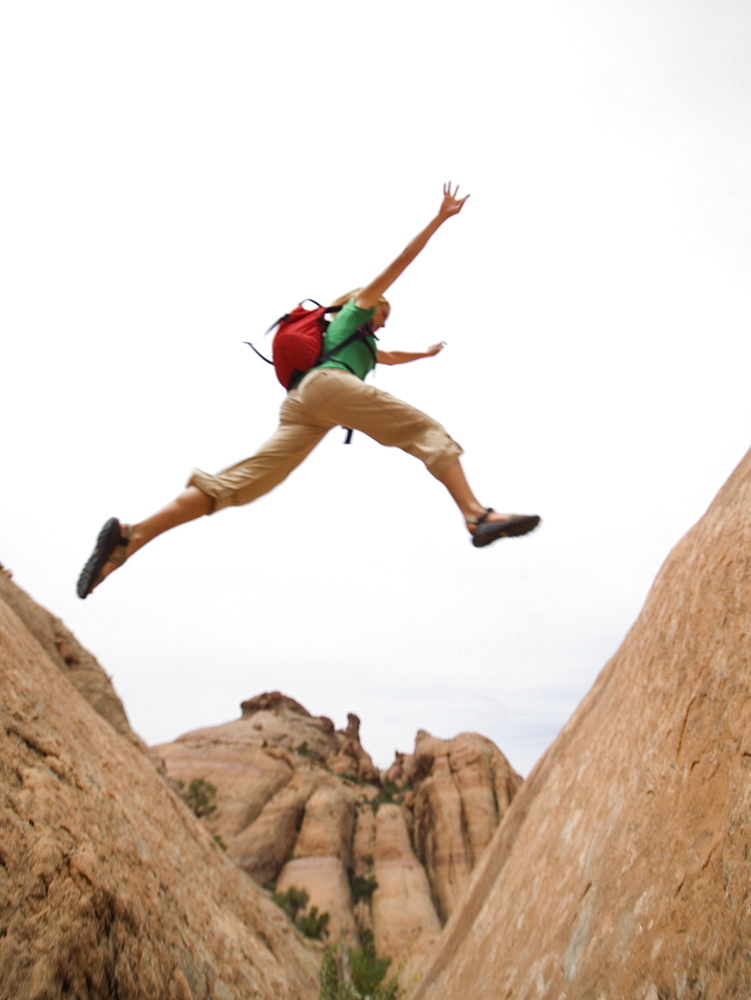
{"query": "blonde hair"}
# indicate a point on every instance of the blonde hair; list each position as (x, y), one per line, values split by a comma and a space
(350, 295)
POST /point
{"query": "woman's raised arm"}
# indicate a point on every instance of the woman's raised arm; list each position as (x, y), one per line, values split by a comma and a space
(368, 296)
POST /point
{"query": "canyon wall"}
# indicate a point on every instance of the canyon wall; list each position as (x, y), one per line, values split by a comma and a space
(621, 869)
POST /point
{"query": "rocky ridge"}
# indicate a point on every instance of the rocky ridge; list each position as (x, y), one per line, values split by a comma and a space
(75, 662)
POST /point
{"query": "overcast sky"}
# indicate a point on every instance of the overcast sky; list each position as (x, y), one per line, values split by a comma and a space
(177, 175)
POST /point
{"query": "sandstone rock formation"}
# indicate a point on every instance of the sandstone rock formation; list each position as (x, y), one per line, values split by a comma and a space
(462, 787)
(622, 867)
(109, 885)
(300, 805)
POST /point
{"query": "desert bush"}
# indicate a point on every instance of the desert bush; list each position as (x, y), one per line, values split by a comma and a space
(361, 886)
(200, 796)
(356, 974)
(313, 924)
(294, 901)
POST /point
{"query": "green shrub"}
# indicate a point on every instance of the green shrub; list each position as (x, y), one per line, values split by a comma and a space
(351, 779)
(313, 924)
(331, 979)
(356, 974)
(294, 901)
(361, 886)
(306, 751)
(368, 971)
(389, 791)
(200, 796)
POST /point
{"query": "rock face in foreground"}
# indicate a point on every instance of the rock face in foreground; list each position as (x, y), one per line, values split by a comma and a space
(109, 885)
(77, 663)
(300, 805)
(622, 868)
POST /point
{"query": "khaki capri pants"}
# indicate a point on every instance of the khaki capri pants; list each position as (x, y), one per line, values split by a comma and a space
(327, 398)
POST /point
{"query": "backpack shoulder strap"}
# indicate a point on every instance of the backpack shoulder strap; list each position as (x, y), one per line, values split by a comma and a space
(261, 356)
(357, 335)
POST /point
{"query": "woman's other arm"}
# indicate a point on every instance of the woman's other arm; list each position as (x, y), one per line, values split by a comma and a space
(402, 357)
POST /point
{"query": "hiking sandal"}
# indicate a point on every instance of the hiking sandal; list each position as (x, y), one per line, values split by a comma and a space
(110, 547)
(487, 532)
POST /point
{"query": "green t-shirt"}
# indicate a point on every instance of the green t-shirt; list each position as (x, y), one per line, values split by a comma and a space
(357, 357)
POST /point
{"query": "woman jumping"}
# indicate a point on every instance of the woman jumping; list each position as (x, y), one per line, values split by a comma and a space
(330, 394)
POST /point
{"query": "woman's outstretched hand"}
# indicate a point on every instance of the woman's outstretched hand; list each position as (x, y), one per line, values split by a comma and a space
(451, 204)
(367, 297)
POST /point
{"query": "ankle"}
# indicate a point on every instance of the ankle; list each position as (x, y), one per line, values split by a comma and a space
(474, 512)
(136, 538)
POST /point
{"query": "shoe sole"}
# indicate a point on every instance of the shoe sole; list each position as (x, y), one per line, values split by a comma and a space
(106, 543)
(489, 532)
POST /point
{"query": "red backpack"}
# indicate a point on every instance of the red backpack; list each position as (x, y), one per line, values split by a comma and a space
(298, 342)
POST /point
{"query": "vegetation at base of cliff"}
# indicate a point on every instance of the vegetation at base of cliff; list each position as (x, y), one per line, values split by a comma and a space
(312, 924)
(200, 796)
(356, 973)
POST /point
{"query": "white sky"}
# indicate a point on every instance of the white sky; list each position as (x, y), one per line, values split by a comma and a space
(176, 175)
